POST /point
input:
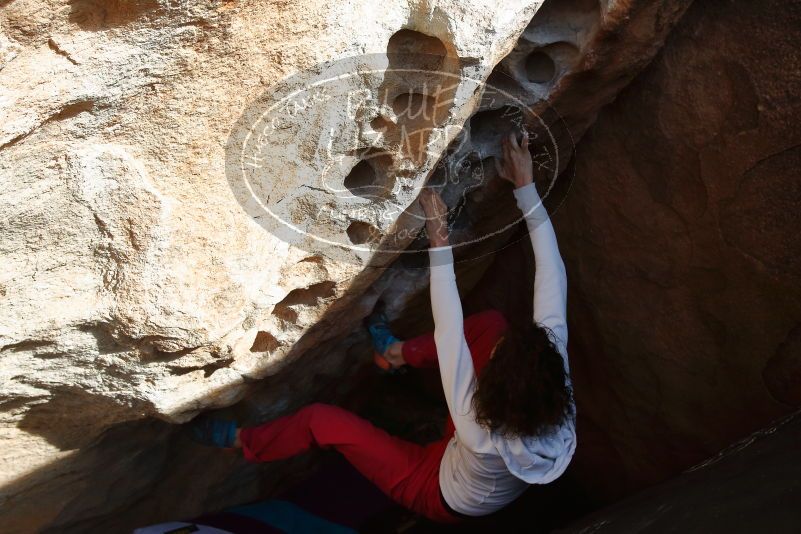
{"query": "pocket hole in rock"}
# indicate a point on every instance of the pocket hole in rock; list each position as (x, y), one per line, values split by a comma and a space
(487, 127)
(360, 178)
(304, 296)
(360, 232)
(313, 259)
(264, 342)
(546, 64)
(569, 20)
(540, 67)
(370, 178)
(380, 123)
(418, 109)
(415, 50)
(418, 115)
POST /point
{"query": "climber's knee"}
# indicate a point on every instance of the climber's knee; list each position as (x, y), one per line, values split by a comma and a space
(329, 424)
(321, 415)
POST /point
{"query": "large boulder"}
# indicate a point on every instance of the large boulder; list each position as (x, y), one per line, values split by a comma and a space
(134, 282)
(141, 275)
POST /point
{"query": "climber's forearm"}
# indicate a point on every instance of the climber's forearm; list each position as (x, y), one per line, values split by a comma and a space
(436, 214)
(437, 231)
(455, 362)
(550, 279)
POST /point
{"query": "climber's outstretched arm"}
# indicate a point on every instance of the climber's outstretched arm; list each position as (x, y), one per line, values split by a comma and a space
(455, 362)
(550, 279)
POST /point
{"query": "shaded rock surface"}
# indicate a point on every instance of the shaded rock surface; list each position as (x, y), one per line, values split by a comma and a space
(752, 486)
(679, 236)
(681, 244)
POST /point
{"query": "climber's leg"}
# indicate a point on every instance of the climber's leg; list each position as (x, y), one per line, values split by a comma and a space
(481, 331)
(401, 469)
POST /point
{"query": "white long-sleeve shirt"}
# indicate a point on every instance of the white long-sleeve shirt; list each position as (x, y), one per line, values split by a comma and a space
(482, 471)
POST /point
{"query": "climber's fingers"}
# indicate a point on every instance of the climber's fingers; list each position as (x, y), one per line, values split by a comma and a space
(440, 208)
(499, 168)
(507, 151)
(503, 165)
(425, 200)
(432, 203)
(524, 142)
(513, 141)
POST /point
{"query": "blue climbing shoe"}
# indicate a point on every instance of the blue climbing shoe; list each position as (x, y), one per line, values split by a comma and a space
(213, 432)
(378, 326)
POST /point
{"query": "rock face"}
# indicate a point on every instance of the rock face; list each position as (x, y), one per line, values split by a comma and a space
(732, 483)
(134, 283)
(138, 276)
(681, 244)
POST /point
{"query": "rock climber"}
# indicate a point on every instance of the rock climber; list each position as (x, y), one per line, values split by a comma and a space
(508, 391)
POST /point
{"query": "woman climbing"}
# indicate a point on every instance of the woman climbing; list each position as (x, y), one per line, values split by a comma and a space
(508, 391)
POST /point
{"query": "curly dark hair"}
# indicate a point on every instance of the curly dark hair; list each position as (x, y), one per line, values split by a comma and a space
(523, 389)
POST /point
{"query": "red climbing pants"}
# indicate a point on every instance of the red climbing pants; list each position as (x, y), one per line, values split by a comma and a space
(405, 471)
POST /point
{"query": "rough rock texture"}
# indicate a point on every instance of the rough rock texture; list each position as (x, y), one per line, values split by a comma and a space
(137, 283)
(754, 485)
(133, 281)
(680, 236)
